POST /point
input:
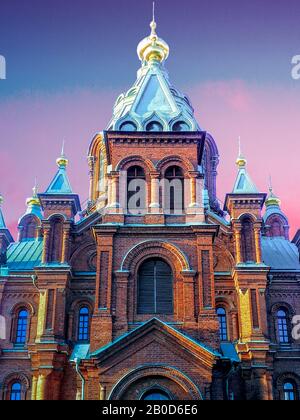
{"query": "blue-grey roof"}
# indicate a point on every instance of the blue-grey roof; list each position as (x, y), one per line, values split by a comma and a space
(280, 254)
(80, 352)
(273, 210)
(24, 255)
(229, 351)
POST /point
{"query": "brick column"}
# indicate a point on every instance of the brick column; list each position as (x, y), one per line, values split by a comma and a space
(46, 244)
(65, 244)
(189, 295)
(41, 387)
(193, 189)
(154, 190)
(115, 190)
(34, 387)
(91, 163)
(257, 229)
(237, 229)
(121, 310)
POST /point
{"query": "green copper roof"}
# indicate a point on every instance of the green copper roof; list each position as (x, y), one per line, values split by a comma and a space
(60, 183)
(243, 183)
(24, 255)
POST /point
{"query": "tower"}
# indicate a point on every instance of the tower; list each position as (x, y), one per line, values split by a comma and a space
(244, 206)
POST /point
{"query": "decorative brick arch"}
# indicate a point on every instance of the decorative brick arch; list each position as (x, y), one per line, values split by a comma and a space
(148, 249)
(146, 371)
(280, 381)
(15, 377)
(185, 164)
(146, 164)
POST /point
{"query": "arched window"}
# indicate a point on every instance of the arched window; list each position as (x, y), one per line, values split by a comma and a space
(136, 190)
(289, 391)
(155, 395)
(174, 190)
(128, 126)
(181, 126)
(155, 288)
(84, 324)
(222, 317)
(55, 243)
(282, 325)
(248, 248)
(154, 126)
(16, 391)
(21, 331)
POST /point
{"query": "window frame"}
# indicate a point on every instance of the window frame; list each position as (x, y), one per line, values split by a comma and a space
(83, 336)
(282, 326)
(223, 325)
(21, 327)
(15, 392)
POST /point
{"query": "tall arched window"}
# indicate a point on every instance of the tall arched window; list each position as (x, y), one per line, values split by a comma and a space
(282, 325)
(155, 288)
(21, 330)
(289, 391)
(55, 243)
(248, 247)
(174, 190)
(16, 391)
(222, 317)
(84, 324)
(136, 190)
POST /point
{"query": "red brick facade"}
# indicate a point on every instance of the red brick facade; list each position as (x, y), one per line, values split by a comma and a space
(95, 263)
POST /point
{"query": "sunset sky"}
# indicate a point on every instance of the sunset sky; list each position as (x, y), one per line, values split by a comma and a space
(67, 61)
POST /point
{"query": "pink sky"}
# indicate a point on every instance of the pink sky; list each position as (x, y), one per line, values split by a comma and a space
(266, 117)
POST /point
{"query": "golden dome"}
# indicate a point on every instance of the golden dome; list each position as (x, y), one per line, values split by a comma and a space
(272, 199)
(34, 200)
(241, 161)
(62, 162)
(153, 47)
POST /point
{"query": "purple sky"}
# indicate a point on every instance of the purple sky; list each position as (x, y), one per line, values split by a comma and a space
(67, 61)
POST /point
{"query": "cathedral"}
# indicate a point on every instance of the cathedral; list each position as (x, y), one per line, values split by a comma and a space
(152, 290)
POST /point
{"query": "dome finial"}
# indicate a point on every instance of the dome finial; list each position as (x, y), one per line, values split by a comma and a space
(153, 48)
(241, 161)
(62, 161)
(34, 200)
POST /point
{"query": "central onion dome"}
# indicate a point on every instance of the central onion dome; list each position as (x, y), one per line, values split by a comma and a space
(153, 47)
(153, 103)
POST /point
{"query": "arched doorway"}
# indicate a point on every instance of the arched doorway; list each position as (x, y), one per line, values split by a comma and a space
(155, 382)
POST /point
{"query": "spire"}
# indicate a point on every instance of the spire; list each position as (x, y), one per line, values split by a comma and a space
(33, 203)
(243, 183)
(62, 161)
(2, 221)
(60, 183)
(153, 48)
